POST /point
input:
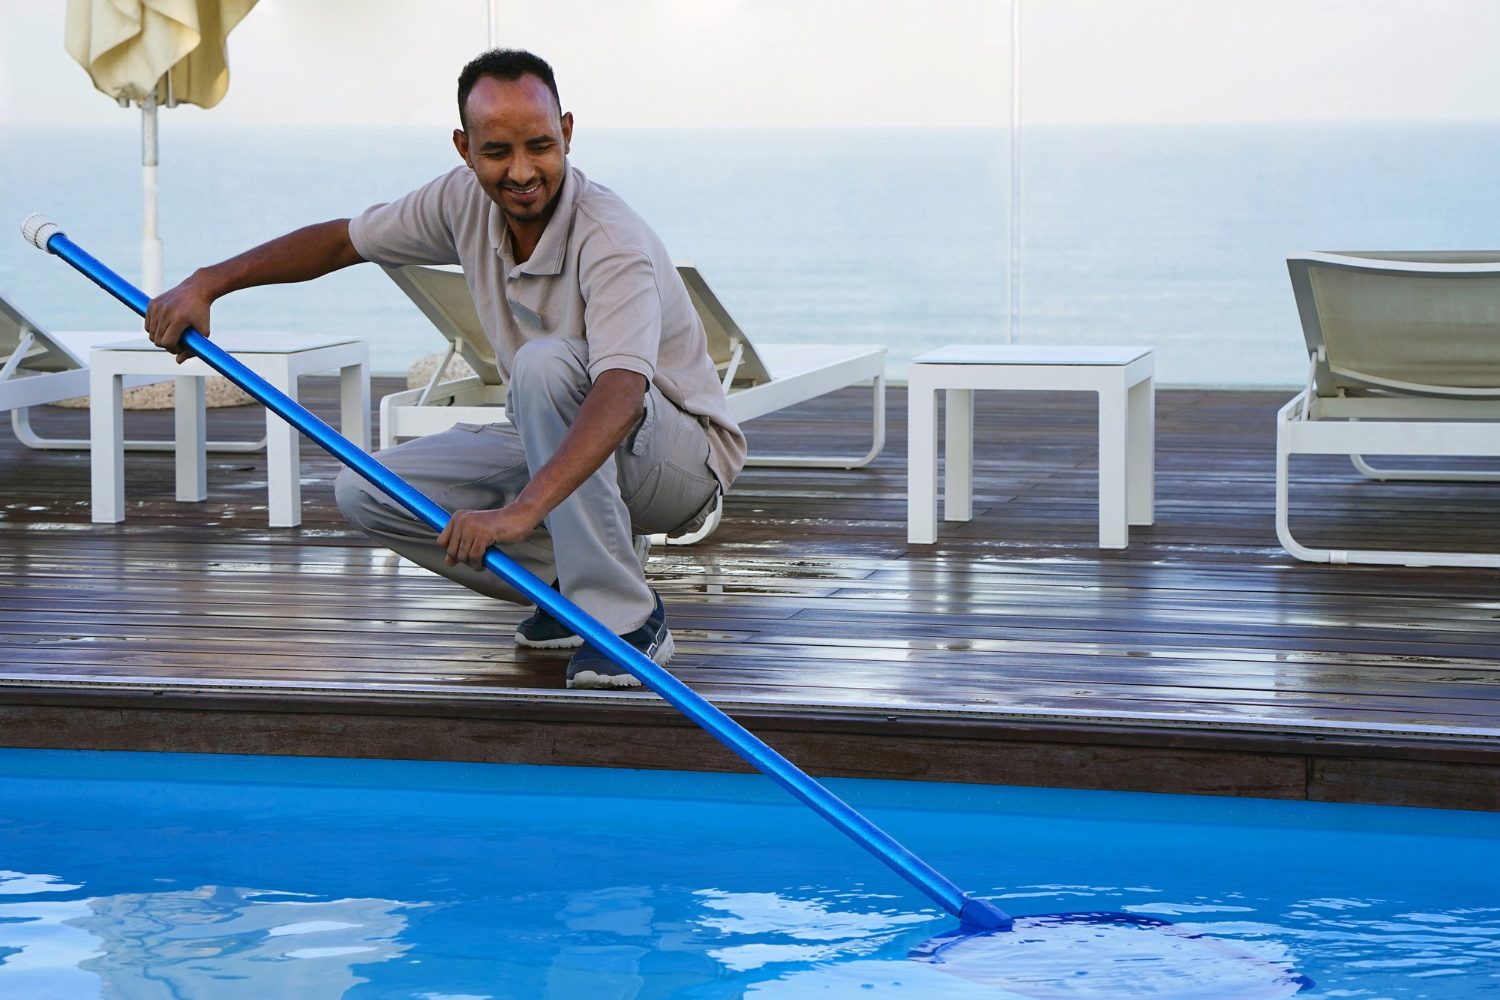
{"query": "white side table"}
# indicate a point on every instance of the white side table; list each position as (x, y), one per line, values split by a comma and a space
(1122, 376)
(278, 358)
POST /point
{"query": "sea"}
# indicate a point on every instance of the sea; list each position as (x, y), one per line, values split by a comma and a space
(1170, 236)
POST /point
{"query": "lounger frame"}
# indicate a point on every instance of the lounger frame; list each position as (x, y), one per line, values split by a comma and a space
(1403, 360)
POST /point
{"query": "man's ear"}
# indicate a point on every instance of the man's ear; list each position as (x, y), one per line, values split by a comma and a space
(567, 131)
(461, 143)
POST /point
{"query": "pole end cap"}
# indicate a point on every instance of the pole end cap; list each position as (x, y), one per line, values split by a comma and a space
(37, 229)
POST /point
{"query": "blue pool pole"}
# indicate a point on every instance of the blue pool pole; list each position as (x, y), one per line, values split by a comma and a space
(975, 914)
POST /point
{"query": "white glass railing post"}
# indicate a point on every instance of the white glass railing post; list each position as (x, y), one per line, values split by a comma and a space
(1013, 287)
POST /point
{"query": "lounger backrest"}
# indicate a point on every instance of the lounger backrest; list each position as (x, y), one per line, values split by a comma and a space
(1417, 322)
(724, 334)
(43, 355)
(442, 293)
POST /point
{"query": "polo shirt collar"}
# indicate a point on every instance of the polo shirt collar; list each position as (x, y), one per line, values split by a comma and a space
(551, 249)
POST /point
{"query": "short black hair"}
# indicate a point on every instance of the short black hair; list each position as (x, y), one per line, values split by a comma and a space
(507, 64)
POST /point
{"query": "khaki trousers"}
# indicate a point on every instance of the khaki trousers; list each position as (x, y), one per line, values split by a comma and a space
(658, 480)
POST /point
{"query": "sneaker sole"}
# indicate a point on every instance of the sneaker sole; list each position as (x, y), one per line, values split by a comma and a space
(588, 680)
(566, 642)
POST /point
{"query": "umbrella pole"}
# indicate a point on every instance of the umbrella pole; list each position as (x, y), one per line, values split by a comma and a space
(151, 248)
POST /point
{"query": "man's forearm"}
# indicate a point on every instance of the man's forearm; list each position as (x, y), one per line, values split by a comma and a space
(308, 253)
(302, 255)
(609, 412)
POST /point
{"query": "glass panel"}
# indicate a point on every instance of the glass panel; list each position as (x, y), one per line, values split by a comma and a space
(838, 171)
(1174, 152)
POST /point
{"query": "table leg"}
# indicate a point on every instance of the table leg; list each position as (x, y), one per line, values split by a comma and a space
(190, 415)
(106, 444)
(1114, 531)
(283, 458)
(1141, 463)
(958, 455)
(354, 404)
(921, 459)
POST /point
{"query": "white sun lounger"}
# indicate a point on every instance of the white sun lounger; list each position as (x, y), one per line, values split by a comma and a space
(35, 368)
(1404, 360)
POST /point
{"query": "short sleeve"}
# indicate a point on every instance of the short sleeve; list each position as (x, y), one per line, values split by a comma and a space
(414, 229)
(622, 313)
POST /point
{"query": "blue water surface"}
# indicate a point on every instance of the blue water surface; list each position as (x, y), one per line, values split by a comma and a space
(192, 876)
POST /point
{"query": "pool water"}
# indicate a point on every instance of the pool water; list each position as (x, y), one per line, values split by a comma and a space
(189, 876)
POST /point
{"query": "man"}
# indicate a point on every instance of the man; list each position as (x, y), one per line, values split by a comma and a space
(617, 425)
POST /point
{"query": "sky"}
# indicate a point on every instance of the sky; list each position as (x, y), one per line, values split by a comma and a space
(819, 63)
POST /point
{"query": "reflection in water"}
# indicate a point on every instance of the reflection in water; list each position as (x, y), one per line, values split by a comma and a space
(626, 941)
(212, 943)
(42, 951)
(22, 884)
(607, 940)
(223, 943)
(418, 881)
(774, 928)
(871, 978)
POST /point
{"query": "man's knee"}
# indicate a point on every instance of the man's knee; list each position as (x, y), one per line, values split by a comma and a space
(351, 492)
(547, 365)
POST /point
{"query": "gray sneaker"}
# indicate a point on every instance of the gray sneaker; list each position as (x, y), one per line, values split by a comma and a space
(591, 669)
(542, 631)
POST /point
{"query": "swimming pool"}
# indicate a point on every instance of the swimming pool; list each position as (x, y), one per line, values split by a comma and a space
(191, 876)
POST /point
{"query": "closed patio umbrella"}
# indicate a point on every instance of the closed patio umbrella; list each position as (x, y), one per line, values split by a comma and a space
(150, 53)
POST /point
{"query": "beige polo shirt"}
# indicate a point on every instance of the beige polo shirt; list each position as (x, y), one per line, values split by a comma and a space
(599, 275)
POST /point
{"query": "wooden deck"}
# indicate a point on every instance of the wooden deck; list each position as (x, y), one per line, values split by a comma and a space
(1201, 659)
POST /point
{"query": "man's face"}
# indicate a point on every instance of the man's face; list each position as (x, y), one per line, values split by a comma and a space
(516, 143)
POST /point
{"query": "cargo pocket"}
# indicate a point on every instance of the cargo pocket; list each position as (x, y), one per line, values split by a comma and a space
(699, 519)
(670, 498)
